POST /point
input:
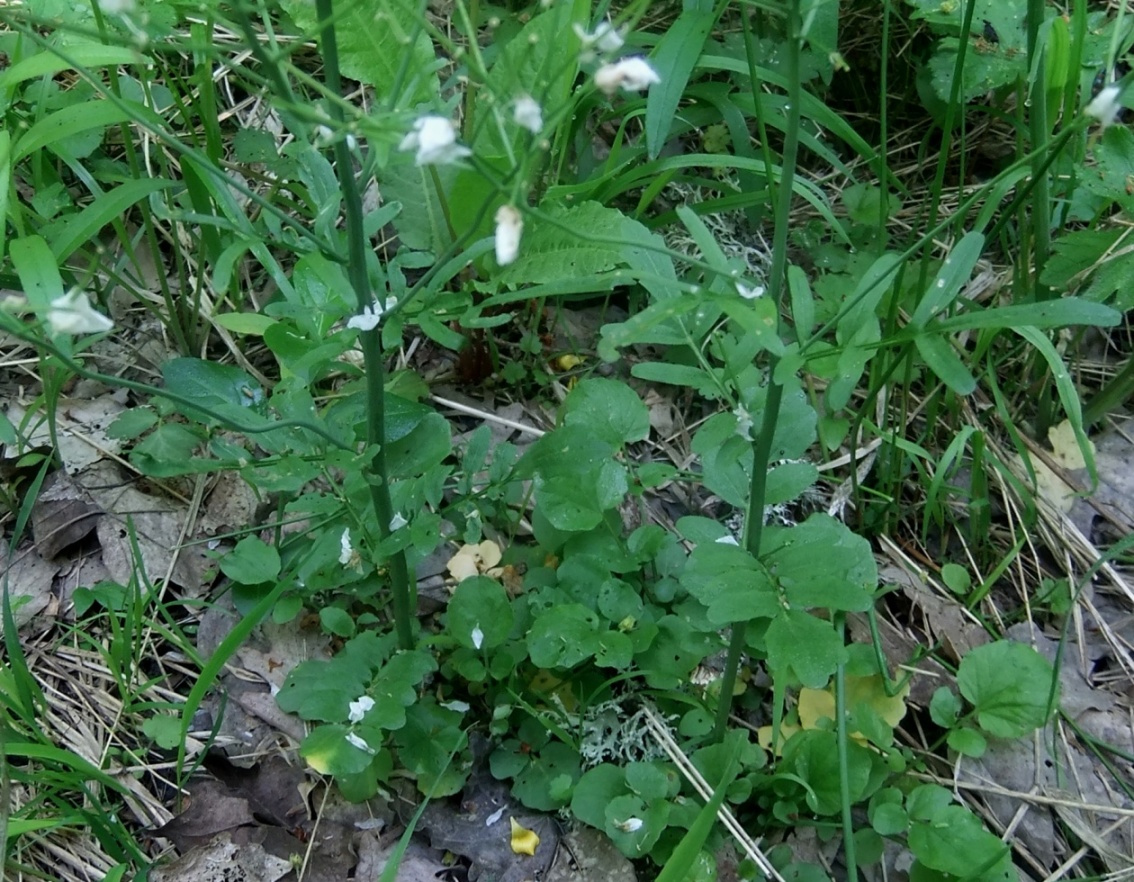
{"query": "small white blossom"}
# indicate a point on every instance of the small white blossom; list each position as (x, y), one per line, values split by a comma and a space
(1104, 106)
(360, 743)
(495, 816)
(435, 140)
(73, 314)
(743, 422)
(369, 318)
(749, 293)
(527, 114)
(631, 74)
(116, 7)
(460, 707)
(477, 636)
(397, 522)
(630, 825)
(727, 540)
(605, 38)
(509, 227)
(351, 142)
(324, 134)
(346, 552)
(359, 707)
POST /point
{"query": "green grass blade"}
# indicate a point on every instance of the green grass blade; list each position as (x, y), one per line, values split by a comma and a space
(677, 868)
(943, 360)
(69, 122)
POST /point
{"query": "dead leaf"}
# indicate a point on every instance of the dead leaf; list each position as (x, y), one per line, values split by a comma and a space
(221, 860)
(80, 427)
(474, 560)
(62, 515)
(30, 580)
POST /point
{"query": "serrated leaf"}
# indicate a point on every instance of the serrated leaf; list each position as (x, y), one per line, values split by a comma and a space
(251, 562)
(376, 39)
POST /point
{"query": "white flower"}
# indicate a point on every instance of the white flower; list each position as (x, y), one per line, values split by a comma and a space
(630, 825)
(509, 227)
(460, 707)
(605, 38)
(397, 522)
(435, 140)
(73, 314)
(346, 552)
(477, 636)
(360, 743)
(749, 293)
(631, 74)
(359, 707)
(743, 422)
(369, 318)
(324, 134)
(116, 7)
(1104, 106)
(527, 114)
(727, 540)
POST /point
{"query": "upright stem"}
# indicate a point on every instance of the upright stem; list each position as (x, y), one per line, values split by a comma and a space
(762, 445)
(400, 584)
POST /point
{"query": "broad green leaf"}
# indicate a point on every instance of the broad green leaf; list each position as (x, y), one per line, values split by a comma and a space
(821, 563)
(328, 751)
(610, 409)
(957, 843)
(1076, 252)
(955, 271)
(323, 690)
(727, 580)
(813, 755)
(943, 360)
(480, 604)
(251, 562)
(676, 375)
(804, 645)
(674, 57)
(564, 636)
(595, 791)
(225, 390)
(382, 43)
(1009, 685)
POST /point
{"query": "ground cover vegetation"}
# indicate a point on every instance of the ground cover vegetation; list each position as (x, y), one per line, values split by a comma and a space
(566, 439)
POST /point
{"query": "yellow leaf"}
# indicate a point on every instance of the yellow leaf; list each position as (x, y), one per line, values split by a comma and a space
(764, 737)
(524, 841)
(566, 362)
(472, 560)
(816, 705)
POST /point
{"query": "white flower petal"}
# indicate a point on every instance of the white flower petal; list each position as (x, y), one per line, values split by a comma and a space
(397, 522)
(749, 293)
(460, 707)
(1104, 106)
(605, 38)
(509, 228)
(727, 540)
(371, 316)
(360, 743)
(477, 636)
(631, 74)
(743, 423)
(494, 817)
(527, 114)
(346, 550)
(359, 707)
(73, 314)
(435, 140)
(630, 825)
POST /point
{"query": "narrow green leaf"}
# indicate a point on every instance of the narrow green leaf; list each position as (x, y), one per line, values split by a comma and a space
(954, 272)
(1068, 394)
(68, 122)
(1048, 314)
(5, 180)
(38, 272)
(83, 55)
(943, 360)
(82, 227)
(674, 59)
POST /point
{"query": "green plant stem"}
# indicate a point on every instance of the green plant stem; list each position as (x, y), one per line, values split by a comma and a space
(841, 736)
(400, 585)
(762, 444)
(1111, 396)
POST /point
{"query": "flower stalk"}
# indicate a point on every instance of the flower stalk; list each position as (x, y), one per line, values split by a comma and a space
(402, 589)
